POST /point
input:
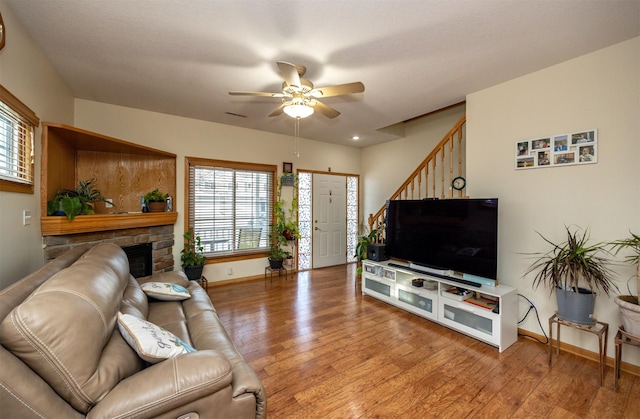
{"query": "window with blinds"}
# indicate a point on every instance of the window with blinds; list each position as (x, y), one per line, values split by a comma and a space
(230, 206)
(17, 128)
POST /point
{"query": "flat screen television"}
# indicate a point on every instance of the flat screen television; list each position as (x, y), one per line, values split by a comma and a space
(459, 235)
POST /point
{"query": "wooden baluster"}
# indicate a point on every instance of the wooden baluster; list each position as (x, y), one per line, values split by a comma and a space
(460, 157)
(450, 166)
(420, 183)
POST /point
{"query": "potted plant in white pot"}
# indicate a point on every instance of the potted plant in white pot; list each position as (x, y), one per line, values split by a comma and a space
(629, 304)
(191, 256)
(575, 270)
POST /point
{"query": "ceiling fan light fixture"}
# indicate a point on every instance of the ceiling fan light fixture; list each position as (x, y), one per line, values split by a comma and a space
(298, 110)
(298, 94)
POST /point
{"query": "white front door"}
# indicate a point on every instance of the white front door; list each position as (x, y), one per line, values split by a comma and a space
(329, 228)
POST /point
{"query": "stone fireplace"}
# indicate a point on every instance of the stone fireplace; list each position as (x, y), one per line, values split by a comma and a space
(160, 238)
(140, 259)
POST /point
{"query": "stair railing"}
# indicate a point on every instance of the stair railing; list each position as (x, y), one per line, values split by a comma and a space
(433, 177)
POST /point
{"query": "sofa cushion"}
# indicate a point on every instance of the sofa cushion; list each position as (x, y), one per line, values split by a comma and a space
(134, 300)
(152, 343)
(65, 330)
(165, 291)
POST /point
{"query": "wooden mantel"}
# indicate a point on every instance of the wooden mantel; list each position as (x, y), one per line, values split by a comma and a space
(60, 225)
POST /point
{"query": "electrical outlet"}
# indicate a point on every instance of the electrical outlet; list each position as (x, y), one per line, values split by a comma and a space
(108, 203)
(229, 271)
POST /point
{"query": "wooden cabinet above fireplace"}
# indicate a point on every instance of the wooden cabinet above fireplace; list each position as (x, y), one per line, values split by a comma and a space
(124, 172)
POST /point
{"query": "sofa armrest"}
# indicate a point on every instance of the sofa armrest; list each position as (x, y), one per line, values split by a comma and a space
(166, 386)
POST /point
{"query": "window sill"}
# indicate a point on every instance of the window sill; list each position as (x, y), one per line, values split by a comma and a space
(8, 186)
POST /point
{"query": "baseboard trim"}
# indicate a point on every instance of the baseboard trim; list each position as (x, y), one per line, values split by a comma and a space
(290, 273)
(575, 350)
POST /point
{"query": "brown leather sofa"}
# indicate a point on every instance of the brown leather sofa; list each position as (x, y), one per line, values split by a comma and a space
(62, 354)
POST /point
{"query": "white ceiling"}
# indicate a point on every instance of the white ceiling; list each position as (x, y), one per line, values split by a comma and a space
(181, 57)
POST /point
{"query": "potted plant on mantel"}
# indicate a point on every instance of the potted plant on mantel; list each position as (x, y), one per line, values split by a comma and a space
(569, 265)
(191, 256)
(156, 201)
(74, 202)
(629, 304)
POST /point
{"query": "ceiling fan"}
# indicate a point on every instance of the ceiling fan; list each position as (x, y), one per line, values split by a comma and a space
(299, 97)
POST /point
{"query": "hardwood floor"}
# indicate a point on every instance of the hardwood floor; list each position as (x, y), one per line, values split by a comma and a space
(323, 350)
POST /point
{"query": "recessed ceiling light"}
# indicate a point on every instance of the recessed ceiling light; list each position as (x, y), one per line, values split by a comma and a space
(355, 138)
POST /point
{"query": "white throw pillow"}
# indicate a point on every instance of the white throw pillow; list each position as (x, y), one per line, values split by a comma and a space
(151, 342)
(165, 291)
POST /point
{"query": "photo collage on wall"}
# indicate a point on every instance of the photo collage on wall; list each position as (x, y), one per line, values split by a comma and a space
(558, 150)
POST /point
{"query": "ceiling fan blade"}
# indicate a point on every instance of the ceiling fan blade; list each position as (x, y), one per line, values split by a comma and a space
(279, 110)
(289, 73)
(256, 94)
(325, 110)
(338, 90)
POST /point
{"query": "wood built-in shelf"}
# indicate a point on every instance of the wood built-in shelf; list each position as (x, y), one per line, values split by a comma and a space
(60, 225)
(124, 172)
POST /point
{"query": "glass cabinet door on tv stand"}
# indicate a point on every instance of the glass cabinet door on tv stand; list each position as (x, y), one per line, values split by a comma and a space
(486, 313)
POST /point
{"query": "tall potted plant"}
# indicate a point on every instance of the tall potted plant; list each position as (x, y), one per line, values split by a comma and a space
(191, 256)
(629, 304)
(574, 269)
(284, 227)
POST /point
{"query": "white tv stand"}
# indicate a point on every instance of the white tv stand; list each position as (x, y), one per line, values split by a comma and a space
(476, 316)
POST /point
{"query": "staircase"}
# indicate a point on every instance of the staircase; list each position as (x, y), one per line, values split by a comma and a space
(432, 178)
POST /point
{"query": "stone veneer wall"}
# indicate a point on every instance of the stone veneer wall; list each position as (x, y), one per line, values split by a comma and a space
(161, 237)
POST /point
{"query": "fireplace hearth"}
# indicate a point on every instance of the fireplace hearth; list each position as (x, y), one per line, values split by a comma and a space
(158, 238)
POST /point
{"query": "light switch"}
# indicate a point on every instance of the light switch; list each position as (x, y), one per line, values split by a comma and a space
(26, 217)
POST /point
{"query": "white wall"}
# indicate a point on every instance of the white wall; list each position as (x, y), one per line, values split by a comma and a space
(600, 90)
(189, 137)
(27, 73)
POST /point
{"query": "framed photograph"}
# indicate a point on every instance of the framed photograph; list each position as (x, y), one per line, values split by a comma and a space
(541, 144)
(557, 150)
(287, 167)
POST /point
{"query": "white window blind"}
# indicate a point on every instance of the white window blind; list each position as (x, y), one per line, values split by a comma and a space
(17, 127)
(230, 206)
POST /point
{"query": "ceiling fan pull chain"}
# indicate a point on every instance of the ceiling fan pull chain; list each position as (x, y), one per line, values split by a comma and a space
(296, 150)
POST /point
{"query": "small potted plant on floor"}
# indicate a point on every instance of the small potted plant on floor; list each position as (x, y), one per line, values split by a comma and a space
(191, 256)
(277, 254)
(156, 201)
(629, 304)
(74, 202)
(362, 246)
(574, 269)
